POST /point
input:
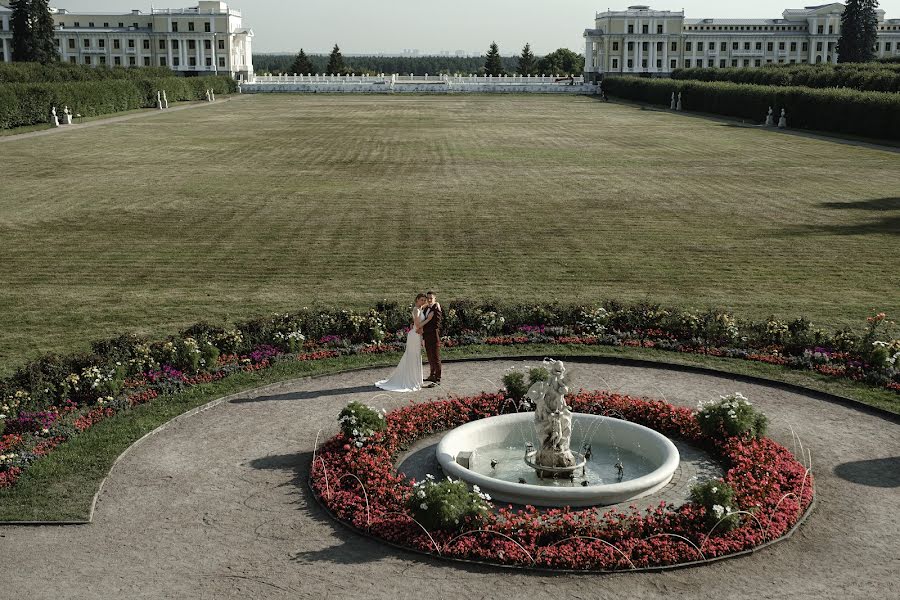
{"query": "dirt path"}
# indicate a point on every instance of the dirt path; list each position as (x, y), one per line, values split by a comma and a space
(216, 506)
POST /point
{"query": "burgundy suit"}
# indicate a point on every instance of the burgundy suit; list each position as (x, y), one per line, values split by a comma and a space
(431, 333)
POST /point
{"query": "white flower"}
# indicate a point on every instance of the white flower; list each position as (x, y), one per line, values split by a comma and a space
(423, 506)
(429, 476)
(421, 494)
(476, 489)
(487, 497)
(719, 510)
(714, 490)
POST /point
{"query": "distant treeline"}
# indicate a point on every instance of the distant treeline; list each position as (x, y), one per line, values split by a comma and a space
(373, 65)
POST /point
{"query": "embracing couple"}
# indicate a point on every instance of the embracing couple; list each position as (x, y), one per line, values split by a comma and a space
(427, 318)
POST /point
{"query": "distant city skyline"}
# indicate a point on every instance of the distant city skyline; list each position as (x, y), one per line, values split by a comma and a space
(399, 27)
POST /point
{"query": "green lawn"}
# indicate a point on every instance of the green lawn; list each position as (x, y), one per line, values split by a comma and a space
(275, 202)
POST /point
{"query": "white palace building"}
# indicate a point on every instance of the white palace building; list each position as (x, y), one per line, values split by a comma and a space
(655, 42)
(205, 39)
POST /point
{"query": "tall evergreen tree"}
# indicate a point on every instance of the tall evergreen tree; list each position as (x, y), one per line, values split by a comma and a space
(20, 23)
(43, 44)
(859, 31)
(335, 62)
(492, 63)
(302, 65)
(527, 62)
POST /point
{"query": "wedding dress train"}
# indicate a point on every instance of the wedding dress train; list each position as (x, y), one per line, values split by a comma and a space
(408, 376)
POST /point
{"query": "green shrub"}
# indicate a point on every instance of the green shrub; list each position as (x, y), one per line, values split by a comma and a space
(731, 415)
(865, 77)
(536, 374)
(871, 114)
(360, 422)
(447, 504)
(514, 383)
(717, 497)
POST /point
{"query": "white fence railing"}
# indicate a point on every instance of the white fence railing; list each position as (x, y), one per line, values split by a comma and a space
(417, 79)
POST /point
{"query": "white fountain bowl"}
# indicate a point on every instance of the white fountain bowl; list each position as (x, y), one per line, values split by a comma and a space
(652, 445)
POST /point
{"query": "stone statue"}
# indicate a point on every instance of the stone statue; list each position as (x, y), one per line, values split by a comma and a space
(165, 100)
(67, 116)
(678, 105)
(212, 94)
(54, 119)
(782, 122)
(208, 98)
(770, 118)
(159, 100)
(552, 418)
(673, 104)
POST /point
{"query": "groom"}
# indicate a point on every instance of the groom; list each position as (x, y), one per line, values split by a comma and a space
(431, 332)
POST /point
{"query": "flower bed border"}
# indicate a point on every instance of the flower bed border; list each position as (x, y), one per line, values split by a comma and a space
(385, 493)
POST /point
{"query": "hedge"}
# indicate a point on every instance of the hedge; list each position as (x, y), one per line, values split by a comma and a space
(869, 114)
(30, 72)
(876, 77)
(23, 104)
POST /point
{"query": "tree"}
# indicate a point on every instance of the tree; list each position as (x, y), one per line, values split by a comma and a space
(32, 28)
(335, 62)
(43, 42)
(562, 62)
(859, 31)
(302, 65)
(492, 63)
(527, 63)
(20, 23)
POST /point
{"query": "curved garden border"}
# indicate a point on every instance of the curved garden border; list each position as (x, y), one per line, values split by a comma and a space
(818, 394)
(358, 485)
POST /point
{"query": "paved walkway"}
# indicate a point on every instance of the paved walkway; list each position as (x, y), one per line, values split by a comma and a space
(107, 121)
(216, 506)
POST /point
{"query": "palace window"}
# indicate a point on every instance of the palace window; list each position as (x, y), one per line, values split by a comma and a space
(819, 46)
(700, 46)
(659, 64)
(101, 43)
(687, 63)
(645, 46)
(643, 63)
(162, 44)
(176, 61)
(759, 45)
(630, 46)
(208, 61)
(192, 45)
(117, 60)
(631, 29)
(734, 62)
(659, 46)
(659, 29)
(221, 44)
(688, 46)
(146, 61)
(191, 26)
(71, 43)
(87, 42)
(805, 46)
(192, 61)
(674, 46)
(87, 60)
(630, 64)
(615, 46)
(645, 29)
(146, 44)
(72, 59)
(831, 29)
(771, 46)
(821, 29)
(162, 61)
(746, 62)
(723, 46)
(207, 28)
(221, 62)
(174, 27)
(91, 24)
(734, 45)
(757, 62)
(722, 63)
(673, 63)
(102, 60)
(132, 61)
(131, 43)
(174, 44)
(615, 63)
(746, 45)
(887, 46)
(781, 45)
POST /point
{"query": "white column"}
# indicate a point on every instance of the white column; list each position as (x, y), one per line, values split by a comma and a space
(589, 55)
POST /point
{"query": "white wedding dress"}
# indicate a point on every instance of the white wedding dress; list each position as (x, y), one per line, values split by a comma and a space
(408, 376)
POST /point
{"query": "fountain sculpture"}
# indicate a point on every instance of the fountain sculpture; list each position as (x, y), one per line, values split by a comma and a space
(553, 426)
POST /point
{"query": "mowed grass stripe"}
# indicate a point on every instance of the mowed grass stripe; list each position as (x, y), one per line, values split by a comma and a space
(275, 202)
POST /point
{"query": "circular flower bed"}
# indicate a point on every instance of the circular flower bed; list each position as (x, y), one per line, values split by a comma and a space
(360, 486)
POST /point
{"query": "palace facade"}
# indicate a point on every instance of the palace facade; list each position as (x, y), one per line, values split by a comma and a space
(656, 42)
(205, 39)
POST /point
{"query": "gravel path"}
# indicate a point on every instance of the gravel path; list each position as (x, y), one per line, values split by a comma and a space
(216, 506)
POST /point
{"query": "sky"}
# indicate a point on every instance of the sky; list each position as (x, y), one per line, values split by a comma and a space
(392, 26)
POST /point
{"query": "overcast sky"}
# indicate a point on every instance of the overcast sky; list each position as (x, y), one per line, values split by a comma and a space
(390, 26)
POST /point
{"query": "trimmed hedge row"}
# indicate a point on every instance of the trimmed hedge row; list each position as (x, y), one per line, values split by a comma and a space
(30, 72)
(864, 77)
(870, 114)
(23, 104)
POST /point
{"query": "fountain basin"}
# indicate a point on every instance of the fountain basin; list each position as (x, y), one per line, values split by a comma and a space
(655, 458)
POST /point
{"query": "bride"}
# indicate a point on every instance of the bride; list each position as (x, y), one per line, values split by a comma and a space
(407, 377)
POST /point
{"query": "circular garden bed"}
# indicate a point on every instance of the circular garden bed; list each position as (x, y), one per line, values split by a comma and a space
(769, 492)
